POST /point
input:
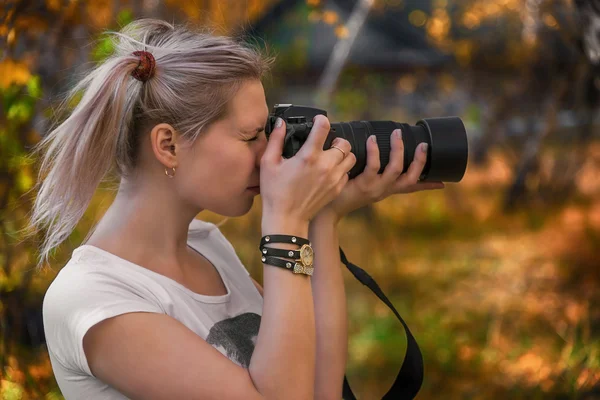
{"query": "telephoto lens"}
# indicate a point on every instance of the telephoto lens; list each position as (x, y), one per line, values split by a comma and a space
(447, 153)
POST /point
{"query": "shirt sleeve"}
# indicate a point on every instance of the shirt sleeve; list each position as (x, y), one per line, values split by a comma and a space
(75, 302)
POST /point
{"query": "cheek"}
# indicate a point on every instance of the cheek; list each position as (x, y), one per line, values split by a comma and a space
(237, 162)
(225, 169)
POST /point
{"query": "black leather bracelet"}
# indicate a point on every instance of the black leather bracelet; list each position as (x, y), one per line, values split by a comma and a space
(293, 266)
(283, 239)
(271, 251)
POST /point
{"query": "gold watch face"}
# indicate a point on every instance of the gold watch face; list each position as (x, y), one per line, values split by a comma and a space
(306, 255)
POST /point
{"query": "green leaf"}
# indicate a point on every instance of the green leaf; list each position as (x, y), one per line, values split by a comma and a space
(124, 17)
(21, 111)
(24, 180)
(9, 96)
(34, 86)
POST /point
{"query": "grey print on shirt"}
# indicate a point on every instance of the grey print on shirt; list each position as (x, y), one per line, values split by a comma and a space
(236, 337)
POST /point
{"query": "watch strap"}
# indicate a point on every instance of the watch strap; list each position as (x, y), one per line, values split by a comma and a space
(283, 239)
(293, 266)
(271, 251)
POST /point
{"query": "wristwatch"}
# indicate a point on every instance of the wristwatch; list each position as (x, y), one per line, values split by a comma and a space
(305, 261)
(302, 265)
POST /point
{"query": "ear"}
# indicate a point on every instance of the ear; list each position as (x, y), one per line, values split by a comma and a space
(164, 141)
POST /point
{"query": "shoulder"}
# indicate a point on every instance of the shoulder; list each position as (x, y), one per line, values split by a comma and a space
(91, 275)
(81, 295)
(91, 280)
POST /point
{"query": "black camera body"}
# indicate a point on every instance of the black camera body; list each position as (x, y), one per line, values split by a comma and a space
(447, 138)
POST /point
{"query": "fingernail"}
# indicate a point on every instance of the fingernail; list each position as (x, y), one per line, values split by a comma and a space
(278, 123)
(424, 147)
(373, 138)
(398, 133)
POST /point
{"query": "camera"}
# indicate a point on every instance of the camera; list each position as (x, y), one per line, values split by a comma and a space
(447, 138)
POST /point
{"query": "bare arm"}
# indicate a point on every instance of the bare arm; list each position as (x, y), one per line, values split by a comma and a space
(330, 309)
(284, 355)
(153, 356)
(330, 317)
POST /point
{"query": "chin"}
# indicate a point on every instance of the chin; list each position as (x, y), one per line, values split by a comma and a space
(236, 209)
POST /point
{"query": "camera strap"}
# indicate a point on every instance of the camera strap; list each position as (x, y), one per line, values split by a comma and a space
(410, 377)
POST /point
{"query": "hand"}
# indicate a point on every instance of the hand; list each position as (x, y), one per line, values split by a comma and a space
(297, 188)
(371, 187)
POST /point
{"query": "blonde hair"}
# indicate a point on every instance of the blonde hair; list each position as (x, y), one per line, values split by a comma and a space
(196, 75)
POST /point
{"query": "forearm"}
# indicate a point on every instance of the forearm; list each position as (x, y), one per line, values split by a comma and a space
(283, 361)
(330, 309)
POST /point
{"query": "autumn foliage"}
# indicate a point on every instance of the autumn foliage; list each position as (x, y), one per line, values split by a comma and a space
(497, 276)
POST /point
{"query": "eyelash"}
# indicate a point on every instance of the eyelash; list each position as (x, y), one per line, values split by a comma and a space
(254, 138)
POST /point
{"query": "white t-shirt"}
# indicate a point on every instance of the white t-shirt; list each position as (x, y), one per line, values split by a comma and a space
(95, 285)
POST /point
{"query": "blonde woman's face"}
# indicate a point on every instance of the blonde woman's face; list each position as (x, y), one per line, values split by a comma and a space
(224, 163)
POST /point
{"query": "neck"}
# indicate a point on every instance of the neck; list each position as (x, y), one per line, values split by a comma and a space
(147, 223)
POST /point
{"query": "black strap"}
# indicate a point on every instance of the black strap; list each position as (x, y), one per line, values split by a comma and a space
(283, 239)
(410, 377)
(272, 251)
(293, 266)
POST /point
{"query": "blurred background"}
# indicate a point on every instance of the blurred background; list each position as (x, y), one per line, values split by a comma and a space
(497, 276)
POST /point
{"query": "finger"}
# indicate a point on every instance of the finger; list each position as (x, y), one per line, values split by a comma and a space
(334, 154)
(347, 164)
(318, 135)
(373, 162)
(396, 163)
(343, 180)
(415, 169)
(275, 144)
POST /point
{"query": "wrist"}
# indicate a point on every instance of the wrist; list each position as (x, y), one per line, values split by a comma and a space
(273, 225)
(326, 216)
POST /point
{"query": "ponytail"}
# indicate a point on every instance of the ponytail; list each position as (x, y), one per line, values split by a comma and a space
(80, 151)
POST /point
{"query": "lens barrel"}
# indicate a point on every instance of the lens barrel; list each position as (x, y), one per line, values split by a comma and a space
(447, 153)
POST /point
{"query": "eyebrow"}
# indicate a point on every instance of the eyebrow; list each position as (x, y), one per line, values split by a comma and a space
(256, 130)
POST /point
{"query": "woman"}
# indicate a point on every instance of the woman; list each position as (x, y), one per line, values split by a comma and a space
(155, 304)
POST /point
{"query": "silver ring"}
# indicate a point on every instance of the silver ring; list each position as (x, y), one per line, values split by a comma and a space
(335, 147)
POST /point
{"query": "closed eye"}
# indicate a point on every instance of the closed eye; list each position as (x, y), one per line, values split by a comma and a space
(258, 132)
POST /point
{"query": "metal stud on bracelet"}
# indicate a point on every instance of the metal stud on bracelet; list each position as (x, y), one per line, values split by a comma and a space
(272, 251)
(283, 239)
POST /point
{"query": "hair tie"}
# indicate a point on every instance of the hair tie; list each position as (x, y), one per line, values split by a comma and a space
(145, 67)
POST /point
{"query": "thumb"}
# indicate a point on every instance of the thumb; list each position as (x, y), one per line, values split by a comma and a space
(275, 145)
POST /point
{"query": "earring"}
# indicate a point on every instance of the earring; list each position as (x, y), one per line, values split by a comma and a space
(167, 173)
